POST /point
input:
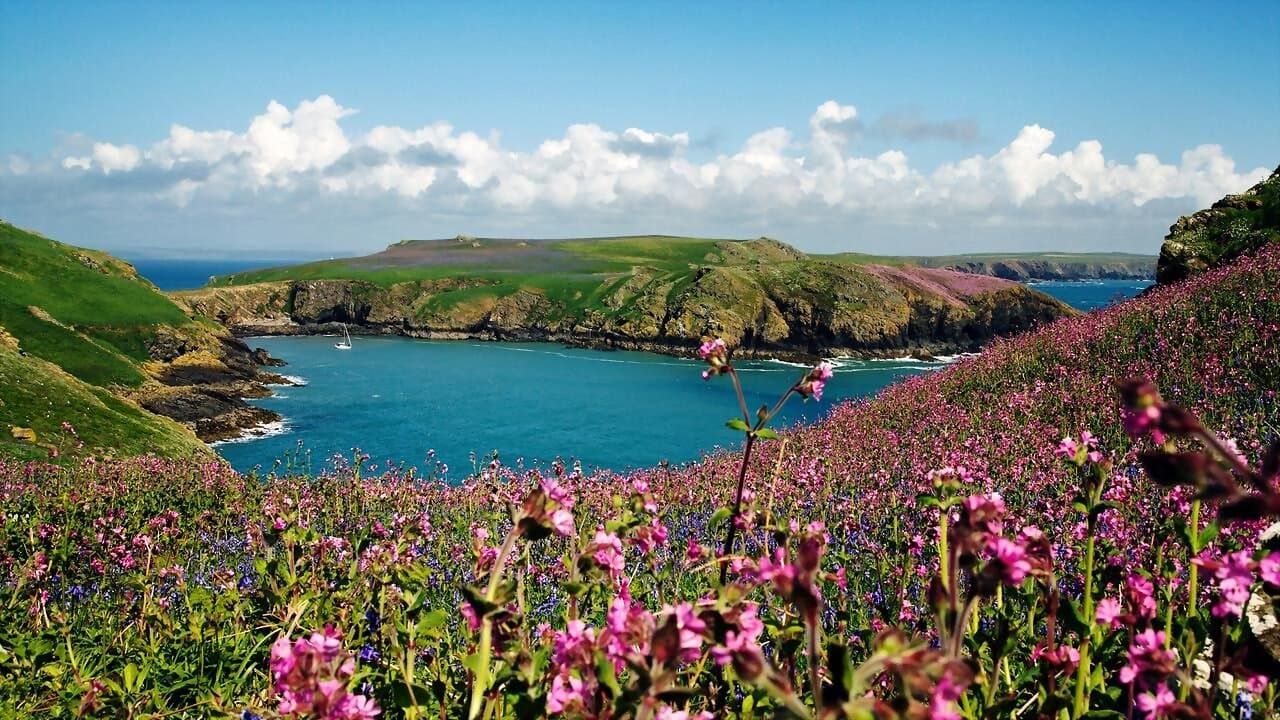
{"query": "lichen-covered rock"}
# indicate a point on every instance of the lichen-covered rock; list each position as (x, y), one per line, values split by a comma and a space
(1233, 226)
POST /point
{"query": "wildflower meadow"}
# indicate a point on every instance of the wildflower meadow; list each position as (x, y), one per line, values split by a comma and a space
(1076, 523)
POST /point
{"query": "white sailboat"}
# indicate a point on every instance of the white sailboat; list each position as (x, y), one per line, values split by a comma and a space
(346, 342)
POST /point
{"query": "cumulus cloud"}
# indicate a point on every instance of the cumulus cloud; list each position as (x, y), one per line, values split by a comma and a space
(304, 155)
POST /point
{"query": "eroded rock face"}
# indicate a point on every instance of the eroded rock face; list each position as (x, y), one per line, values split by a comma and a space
(202, 376)
(769, 303)
(1024, 270)
(1233, 226)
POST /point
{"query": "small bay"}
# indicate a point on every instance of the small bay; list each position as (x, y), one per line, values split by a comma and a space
(421, 403)
(398, 398)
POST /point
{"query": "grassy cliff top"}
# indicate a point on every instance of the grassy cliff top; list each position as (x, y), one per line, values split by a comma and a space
(412, 260)
(510, 259)
(1233, 226)
(37, 397)
(80, 309)
(625, 279)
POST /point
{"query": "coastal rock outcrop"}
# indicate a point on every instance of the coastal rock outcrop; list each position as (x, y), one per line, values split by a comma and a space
(1065, 269)
(1233, 226)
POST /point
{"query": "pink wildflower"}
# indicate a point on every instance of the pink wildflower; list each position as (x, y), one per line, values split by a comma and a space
(1156, 704)
(1108, 612)
(814, 383)
(1269, 569)
(1011, 561)
(568, 693)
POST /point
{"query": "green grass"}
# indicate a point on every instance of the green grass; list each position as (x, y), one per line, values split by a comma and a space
(102, 313)
(508, 262)
(581, 275)
(36, 394)
(82, 320)
(499, 259)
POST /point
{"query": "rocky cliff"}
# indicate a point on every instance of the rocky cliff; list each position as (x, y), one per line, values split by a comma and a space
(1233, 226)
(761, 295)
(1051, 269)
(202, 379)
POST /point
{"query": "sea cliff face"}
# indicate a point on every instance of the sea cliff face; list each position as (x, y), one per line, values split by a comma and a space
(785, 306)
(1233, 226)
(1025, 270)
(201, 378)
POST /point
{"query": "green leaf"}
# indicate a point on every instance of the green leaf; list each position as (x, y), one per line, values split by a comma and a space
(1208, 534)
(928, 500)
(433, 620)
(1072, 618)
(719, 517)
(737, 424)
(766, 434)
(608, 676)
(404, 699)
(131, 678)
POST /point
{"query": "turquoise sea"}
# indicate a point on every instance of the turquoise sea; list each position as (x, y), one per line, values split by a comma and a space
(397, 399)
(456, 402)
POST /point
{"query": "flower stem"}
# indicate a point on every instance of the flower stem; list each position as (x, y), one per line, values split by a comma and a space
(485, 649)
(815, 681)
(731, 535)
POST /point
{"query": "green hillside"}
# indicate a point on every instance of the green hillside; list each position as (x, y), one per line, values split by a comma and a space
(574, 272)
(80, 309)
(37, 395)
(77, 324)
(655, 293)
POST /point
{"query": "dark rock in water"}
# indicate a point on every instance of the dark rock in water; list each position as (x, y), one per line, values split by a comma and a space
(202, 378)
(214, 413)
(262, 357)
(1233, 226)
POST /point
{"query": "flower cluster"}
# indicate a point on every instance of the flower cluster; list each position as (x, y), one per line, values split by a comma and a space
(311, 676)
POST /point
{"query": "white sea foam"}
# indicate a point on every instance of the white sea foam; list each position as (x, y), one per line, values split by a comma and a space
(788, 363)
(257, 432)
(293, 380)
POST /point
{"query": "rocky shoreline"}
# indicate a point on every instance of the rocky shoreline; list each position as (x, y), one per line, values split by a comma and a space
(1033, 270)
(204, 386)
(870, 312)
(671, 348)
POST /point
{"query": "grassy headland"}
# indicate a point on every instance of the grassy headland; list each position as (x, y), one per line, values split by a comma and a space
(87, 342)
(647, 292)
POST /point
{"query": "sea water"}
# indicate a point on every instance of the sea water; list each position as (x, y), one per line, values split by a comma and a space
(421, 403)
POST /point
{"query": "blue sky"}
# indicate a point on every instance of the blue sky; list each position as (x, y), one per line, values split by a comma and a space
(938, 83)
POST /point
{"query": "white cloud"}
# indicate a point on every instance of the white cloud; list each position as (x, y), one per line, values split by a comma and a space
(116, 158)
(293, 156)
